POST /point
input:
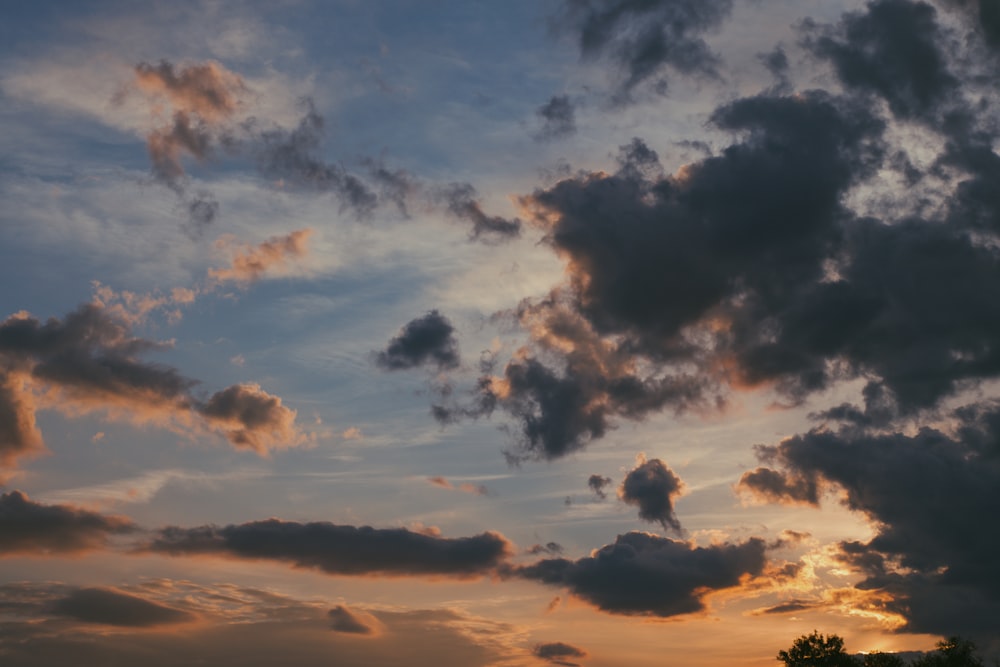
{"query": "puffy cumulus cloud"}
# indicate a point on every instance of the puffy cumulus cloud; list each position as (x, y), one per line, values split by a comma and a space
(461, 202)
(925, 494)
(559, 653)
(90, 361)
(652, 487)
(647, 575)
(340, 550)
(108, 606)
(250, 417)
(598, 484)
(558, 117)
(569, 388)
(425, 340)
(343, 619)
(28, 527)
(645, 38)
(250, 263)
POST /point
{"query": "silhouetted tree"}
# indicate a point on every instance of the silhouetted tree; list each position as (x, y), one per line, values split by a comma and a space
(879, 659)
(816, 650)
(952, 652)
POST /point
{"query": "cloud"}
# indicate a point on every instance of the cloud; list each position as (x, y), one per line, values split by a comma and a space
(559, 653)
(925, 494)
(249, 263)
(425, 340)
(597, 484)
(647, 575)
(465, 487)
(558, 117)
(90, 361)
(111, 607)
(340, 550)
(28, 527)
(645, 38)
(460, 201)
(208, 89)
(652, 487)
(250, 417)
(344, 620)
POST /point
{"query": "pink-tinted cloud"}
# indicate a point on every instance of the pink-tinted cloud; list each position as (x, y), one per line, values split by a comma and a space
(249, 263)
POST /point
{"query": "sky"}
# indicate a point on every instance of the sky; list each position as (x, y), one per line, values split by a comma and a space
(562, 332)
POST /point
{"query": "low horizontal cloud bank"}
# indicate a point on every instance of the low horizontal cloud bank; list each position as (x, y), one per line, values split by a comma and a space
(340, 550)
(107, 606)
(90, 361)
(646, 575)
(427, 340)
(32, 528)
(927, 493)
(559, 653)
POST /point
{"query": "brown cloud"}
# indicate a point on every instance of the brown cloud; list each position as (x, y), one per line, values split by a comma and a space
(249, 263)
(108, 606)
(250, 417)
(28, 527)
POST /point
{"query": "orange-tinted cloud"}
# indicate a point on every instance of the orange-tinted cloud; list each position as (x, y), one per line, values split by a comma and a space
(249, 263)
(250, 417)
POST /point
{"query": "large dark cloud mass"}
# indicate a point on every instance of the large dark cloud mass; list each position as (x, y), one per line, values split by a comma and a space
(340, 550)
(652, 487)
(643, 574)
(28, 527)
(929, 494)
(646, 38)
(425, 340)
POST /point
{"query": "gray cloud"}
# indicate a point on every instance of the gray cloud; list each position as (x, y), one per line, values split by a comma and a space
(340, 550)
(597, 484)
(425, 340)
(645, 38)
(652, 487)
(647, 575)
(461, 202)
(28, 527)
(111, 607)
(558, 117)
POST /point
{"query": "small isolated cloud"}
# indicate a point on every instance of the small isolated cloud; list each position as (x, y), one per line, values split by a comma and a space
(248, 416)
(108, 606)
(344, 620)
(465, 487)
(340, 550)
(461, 202)
(352, 433)
(652, 487)
(28, 527)
(598, 484)
(425, 340)
(550, 548)
(249, 263)
(559, 653)
(558, 117)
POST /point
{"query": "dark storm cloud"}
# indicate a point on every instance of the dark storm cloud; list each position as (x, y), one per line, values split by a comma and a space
(461, 202)
(645, 38)
(643, 574)
(894, 50)
(340, 550)
(558, 117)
(425, 340)
(343, 620)
(597, 484)
(926, 493)
(559, 653)
(652, 487)
(110, 607)
(28, 527)
(985, 14)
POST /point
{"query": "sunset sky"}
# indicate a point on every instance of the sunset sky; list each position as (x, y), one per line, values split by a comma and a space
(476, 333)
